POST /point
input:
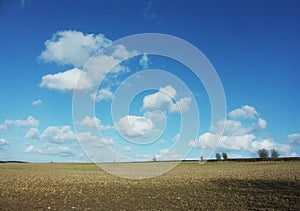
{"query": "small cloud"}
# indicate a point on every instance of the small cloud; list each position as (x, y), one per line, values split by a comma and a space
(37, 102)
(93, 122)
(262, 123)
(148, 11)
(30, 121)
(103, 94)
(33, 133)
(294, 138)
(176, 137)
(127, 149)
(144, 61)
(143, 156)
(51, 150)
(246, 112)
(3, 142)
(66, 81)
(22, 3)
(163, 100)
(134, 126)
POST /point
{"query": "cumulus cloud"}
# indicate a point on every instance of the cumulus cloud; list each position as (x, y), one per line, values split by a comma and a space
(294, 138)
(163, 100)
(134, 126)
(66, 81)
(75, 48)
(57, 134)
(283, 149)
(93, 122)
(262, 123)
(238, 128)
(245, 112)
(37, 102)
(29, 122)
(144, 61)
(64, 134)
(51, 150)
(3, 128)
(246, 142)
(103, 94)
(32, 133)
(95, 140)
(239, 135)
(72, 47)
(211, 140)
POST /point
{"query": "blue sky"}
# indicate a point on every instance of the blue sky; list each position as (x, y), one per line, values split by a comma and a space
(253, 46)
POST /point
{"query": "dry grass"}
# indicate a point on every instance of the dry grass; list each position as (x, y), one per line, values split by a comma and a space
(211, 186)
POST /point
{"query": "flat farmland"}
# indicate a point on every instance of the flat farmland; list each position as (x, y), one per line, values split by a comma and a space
(189, 186)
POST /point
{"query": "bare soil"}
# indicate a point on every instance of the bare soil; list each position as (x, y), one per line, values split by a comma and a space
(190, 186)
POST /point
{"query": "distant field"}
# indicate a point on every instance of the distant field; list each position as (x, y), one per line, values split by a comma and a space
(210, 186)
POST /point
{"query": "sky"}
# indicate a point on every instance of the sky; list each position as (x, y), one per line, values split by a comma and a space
(72, 91)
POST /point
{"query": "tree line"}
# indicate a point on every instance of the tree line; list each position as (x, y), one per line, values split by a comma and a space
(262, 153)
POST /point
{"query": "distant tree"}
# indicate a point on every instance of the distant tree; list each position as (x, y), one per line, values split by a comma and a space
(154, 159)
(263, 153)
(274, 153)
(201, 158)
(224, 155)
(218, 156)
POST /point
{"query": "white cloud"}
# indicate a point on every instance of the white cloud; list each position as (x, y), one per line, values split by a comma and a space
(103, 94)
(283, 149)
(134, 126)
(29, 122)
(63, 134)
(246, 142)
(72, 47)
(3, 128)
(120, 52)
(182, 105)
(239, 135)
(144, 61)
(93, 122)
(246, 112)
(3, 142)
(148, 11)
(75, 48)
(51, 150)
(262, 123)
(163, 100)
(168, 154)
(56, 134)
(37, 102)
(294, 138)
(238, 128)
(95, 140)
(66, 81)
(176, 137)
(127, 149)
(144, 156)
(33, 133)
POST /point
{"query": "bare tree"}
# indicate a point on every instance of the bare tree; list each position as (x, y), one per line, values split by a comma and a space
(263, 153)
(201, 158)
(224, 155)
(274, 153)
(218, 156)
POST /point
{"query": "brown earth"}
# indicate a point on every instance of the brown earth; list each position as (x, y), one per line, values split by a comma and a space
(190, 186)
